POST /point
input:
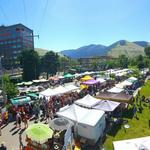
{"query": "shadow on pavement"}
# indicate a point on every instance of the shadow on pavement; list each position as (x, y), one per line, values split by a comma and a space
(12, 129)
(4, 126)
(15, 132)
(21, 131)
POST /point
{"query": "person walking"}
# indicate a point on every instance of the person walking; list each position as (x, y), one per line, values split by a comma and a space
(21, 146)
(0, 125)
(18, 119)
(3, 147)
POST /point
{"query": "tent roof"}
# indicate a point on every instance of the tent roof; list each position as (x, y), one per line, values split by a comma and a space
(68, 75)
(60, 124)
(123, 84)
(133, 144)
(71, 87)
(86, 78)
(60, 90)
(81, 115)
(87, 101)
(133, 78)
(115, 90)
(119, 97)
(101, 80)
(90, 82)
(20, 100)
(106, 105)
(48, 92)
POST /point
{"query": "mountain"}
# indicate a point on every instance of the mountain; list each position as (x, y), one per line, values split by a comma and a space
(86, 51)
(142, 43)
(122, 47)
(41, 51)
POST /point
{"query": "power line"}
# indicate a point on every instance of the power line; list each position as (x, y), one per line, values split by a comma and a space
(43, 15)
(25, 13)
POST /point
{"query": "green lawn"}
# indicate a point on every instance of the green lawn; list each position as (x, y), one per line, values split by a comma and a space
(138, 127)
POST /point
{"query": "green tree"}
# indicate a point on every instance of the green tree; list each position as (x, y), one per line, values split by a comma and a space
(64, 62)
(147, 51)
(95, 65)
(123, 61)
(50, 63)
(30, 62)
(8, 87)
(140, 62)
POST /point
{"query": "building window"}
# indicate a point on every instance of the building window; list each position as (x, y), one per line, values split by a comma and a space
(18, 46)
(14, 46)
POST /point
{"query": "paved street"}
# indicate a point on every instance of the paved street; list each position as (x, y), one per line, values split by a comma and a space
(10, 135)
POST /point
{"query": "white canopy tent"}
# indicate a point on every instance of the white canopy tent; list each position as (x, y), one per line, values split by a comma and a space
(133, 78)
(115, 90)
(101, 80)
(60, 90)
(123, 84)
(71, 87)
(85, 120)
(87, 101)
(47, 93)
(106, 105)
(133, 144)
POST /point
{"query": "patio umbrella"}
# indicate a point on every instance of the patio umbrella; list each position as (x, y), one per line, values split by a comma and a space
(39, 132)
(60, 124)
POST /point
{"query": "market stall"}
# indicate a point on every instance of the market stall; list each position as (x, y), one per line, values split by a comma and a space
(106, 105)
(119, 97)
(87, 101)
(20, 100)
(133, 144)
(86, 78)
(85, 120)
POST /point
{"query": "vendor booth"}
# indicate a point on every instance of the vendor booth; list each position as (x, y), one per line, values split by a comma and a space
(86, 78)
(115, 90)
(63, 132)
(119, 97)
(20, 100)
(87, 101)
(133, 144)
(106, 105)
(88, 123)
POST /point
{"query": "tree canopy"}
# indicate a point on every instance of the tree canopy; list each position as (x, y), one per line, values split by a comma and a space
(50, 63)
(30, 62)
(8, 87)
(147, 51)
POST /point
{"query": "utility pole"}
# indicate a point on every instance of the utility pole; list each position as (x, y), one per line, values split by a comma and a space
(1, 68)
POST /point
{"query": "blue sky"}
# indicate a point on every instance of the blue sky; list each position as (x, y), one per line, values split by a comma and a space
(67, 24)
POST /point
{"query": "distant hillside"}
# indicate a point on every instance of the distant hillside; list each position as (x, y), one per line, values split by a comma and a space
(86, 51)
(41, 51)
(142, 43)
(125, 48)
(122, 47)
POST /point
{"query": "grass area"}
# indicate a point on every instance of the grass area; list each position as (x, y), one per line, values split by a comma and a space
(139, 127)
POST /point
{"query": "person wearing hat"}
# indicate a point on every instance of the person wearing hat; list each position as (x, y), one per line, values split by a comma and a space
(3, 147)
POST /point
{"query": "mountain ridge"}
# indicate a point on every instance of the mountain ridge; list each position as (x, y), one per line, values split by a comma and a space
(121, 47)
